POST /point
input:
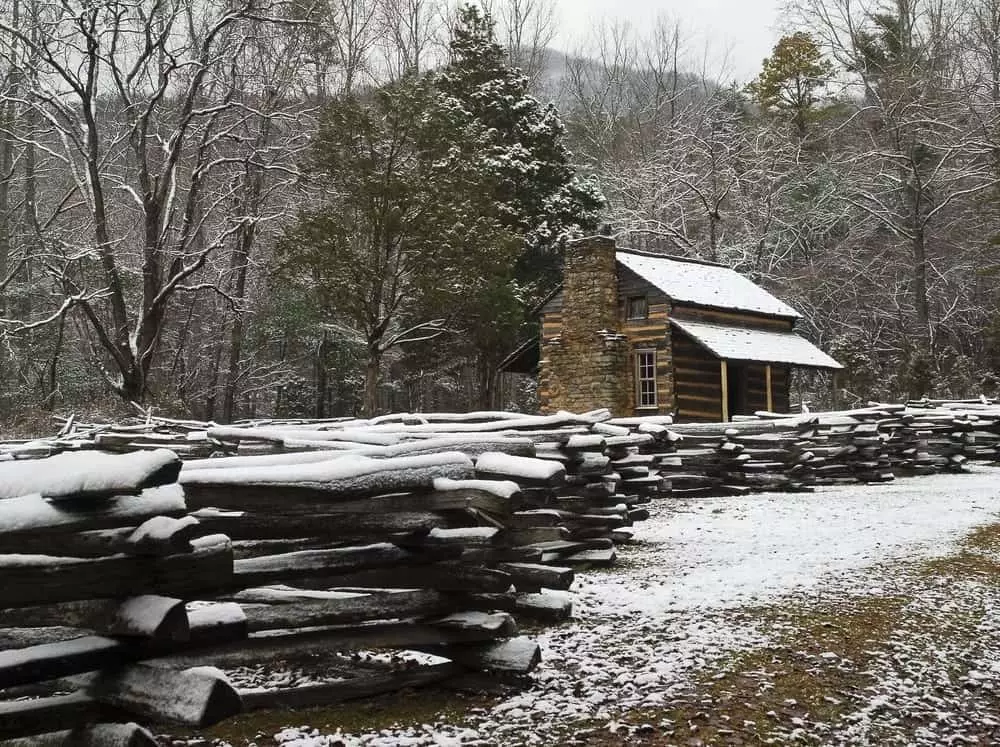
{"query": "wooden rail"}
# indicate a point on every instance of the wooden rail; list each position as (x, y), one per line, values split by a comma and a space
(125, 569)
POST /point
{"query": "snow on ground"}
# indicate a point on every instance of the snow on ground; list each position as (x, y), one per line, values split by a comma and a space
(728, 552)
(670, 611)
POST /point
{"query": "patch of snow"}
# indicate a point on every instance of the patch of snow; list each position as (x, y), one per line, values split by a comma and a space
(527, 467)
(208, 671)
(502, 488)
(203, 614)
(73, 473)
(260, 460)
(33, 511)
(728, 552)
(351, 435)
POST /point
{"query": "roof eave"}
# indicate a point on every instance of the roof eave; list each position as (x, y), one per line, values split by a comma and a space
(817, 366)
(678, 324)
(795, 316)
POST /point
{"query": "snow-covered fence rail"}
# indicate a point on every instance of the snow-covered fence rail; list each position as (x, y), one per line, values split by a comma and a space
(95, 572)
(131, 583)
(872, 444)
(648, 455)
(124, 573)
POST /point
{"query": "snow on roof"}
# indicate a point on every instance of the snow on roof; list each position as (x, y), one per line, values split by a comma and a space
(765, 346)
(703, 283)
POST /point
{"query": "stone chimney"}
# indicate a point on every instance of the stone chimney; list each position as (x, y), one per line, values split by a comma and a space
(590, 288)
(586, 366)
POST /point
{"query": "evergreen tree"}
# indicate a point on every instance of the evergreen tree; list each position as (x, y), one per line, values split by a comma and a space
(792, 79)
(520, 145)
(451, 196)
(517, 146)
(401, 240)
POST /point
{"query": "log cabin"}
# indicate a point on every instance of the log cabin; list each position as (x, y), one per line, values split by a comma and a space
(652, 334)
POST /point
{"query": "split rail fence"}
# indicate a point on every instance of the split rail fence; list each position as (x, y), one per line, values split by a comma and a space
(125, 573)
(134, 555)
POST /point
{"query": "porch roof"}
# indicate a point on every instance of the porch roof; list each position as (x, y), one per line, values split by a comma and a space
(757, 345)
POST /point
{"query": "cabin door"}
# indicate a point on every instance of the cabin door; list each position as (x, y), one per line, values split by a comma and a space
(736, 390)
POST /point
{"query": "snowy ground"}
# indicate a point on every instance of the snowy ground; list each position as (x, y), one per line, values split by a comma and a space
(800, 618)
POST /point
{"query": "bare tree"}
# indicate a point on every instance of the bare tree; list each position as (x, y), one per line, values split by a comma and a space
(137, 117)
(410, 32)
(526, 28)
(925, 147)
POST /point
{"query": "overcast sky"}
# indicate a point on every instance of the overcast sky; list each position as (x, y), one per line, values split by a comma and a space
(746, 29)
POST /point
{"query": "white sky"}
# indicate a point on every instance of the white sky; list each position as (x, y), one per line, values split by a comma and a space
(737, 34)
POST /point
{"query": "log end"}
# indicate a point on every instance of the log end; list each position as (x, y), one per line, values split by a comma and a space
(222, 700)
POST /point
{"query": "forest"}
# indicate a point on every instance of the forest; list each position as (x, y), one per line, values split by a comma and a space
(226, 209)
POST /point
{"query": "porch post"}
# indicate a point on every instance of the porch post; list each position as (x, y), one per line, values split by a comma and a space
(770, 394)
(724, 372)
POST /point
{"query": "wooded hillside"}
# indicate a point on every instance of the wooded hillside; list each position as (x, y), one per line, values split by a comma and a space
(257, 209)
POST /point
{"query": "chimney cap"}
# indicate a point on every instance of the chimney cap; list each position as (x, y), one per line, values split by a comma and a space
(602, 238)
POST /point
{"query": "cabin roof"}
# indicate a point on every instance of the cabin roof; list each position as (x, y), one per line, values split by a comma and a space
(703, 283)
(523, 359)
(757, 345)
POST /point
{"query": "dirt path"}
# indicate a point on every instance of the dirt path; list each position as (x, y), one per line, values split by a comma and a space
(860, 615)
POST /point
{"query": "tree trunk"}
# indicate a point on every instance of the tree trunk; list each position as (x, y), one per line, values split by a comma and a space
(921, 302)
(487, 380)
(235, 350)
(372, 368)
(133, 383)
(322, 376)
(213, 387)
(8, 114)
(51, 382)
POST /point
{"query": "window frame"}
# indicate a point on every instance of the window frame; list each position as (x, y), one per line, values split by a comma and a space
(640, 379)
(629, 316)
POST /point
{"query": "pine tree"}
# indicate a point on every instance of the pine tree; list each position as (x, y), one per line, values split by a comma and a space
(521, 146)
(517, 146)
(792, 79)
(452, 195)
(405, 237)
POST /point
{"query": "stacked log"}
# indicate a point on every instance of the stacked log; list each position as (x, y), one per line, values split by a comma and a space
(407, 533)
(188, 439)
(571, 506)
(781, 460)
(118, 586)
(126, 571)
(851, 452)
(872, 444)
(95, 544)
(724, 459)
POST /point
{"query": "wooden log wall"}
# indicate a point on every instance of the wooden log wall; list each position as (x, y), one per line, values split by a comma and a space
(697, 381)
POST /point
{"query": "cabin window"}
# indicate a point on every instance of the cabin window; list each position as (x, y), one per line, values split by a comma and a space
(638, 308)
(645, 378)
